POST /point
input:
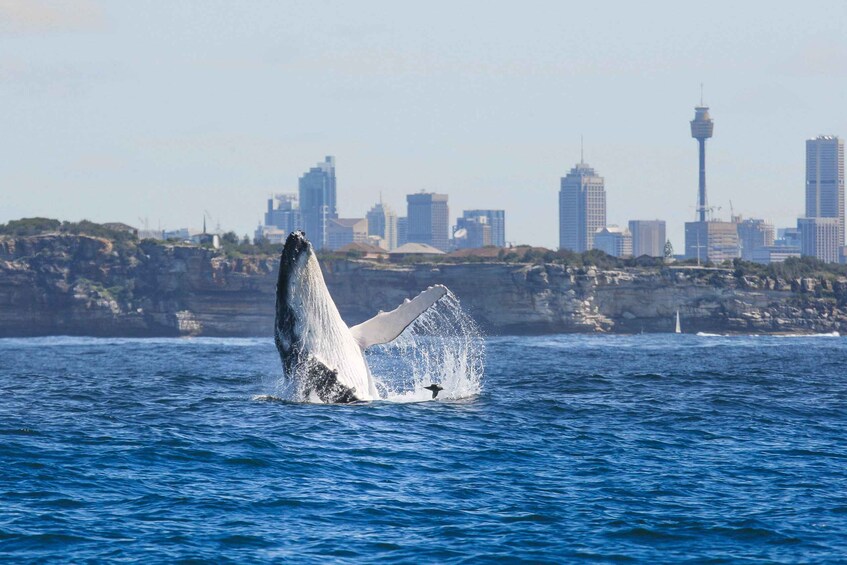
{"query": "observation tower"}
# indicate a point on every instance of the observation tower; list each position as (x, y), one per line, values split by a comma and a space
(702, 127)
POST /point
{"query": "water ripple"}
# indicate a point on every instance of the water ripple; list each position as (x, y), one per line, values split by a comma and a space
(601, 448)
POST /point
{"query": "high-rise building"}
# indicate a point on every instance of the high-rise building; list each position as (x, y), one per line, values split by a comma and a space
(283, 213)
(614, 241)
(382, 222)
(344, 231)
(496, 220)
(472, 232)
(788, 236)
(402, 231)
(648, 237)
(711, 241)
(317, 201)
(819, 237)
(429, 219)
(752, 235)
(825, 180)
(582, 208)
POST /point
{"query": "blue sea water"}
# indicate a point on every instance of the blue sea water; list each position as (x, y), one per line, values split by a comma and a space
(609, 448)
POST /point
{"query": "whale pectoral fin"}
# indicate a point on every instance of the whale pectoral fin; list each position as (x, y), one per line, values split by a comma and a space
(386, 326)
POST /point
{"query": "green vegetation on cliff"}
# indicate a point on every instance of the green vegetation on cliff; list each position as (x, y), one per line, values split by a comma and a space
(233, 247)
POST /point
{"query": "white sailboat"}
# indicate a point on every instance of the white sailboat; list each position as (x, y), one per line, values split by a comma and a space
(678, 327)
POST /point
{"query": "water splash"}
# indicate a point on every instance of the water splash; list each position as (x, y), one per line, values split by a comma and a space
(443, 346)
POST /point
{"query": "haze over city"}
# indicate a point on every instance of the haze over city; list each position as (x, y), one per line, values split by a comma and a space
(116, 112)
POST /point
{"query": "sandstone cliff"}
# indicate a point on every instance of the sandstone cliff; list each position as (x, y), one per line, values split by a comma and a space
(59, 284)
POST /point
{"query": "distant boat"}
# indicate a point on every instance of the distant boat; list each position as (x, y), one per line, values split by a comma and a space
(678, 327)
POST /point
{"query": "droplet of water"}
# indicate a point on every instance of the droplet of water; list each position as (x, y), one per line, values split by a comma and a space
(443, 346)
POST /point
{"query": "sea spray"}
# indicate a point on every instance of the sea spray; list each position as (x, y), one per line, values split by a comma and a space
(443, 346)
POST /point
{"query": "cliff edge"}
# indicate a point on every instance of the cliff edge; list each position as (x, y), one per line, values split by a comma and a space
(77, 284)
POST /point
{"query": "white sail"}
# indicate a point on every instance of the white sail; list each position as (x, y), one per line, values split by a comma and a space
(678, 327)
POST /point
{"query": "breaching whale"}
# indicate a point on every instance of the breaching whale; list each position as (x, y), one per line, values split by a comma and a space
(316, 347)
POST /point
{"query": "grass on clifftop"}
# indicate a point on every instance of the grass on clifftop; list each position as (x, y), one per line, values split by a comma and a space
(234, 247)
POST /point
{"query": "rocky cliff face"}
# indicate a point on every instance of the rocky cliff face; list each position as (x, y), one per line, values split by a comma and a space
(508, 298)
(79, 285)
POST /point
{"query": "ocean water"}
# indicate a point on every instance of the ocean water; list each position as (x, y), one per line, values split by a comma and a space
(610, 448)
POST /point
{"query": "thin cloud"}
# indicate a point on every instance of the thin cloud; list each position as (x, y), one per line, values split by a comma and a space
(45, 16)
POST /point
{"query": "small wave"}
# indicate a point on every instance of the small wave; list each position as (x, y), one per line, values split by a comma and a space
(828, 334)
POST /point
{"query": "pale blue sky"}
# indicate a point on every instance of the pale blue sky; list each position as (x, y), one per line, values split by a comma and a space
(118, 110)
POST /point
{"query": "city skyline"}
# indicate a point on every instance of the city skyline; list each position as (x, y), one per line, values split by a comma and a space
(111, 126)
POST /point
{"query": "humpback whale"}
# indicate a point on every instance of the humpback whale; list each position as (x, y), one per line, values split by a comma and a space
(318, 351)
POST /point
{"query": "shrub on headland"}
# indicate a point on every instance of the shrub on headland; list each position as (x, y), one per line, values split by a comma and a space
(40, 226)
(30, 226)
(790, 269)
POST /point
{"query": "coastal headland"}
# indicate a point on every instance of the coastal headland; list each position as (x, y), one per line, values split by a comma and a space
(97, 281)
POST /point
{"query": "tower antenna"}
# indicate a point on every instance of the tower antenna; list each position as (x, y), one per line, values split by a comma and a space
(581, 150)
(701, 93)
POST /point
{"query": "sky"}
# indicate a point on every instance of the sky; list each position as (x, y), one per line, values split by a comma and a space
(160, 112)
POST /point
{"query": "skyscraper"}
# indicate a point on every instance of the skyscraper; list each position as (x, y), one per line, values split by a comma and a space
(472, 232)
(582, 208)
(648, 237)
(429, 219)
(382, 222)
(819, 238)
(753, 234)
(283, 213)
(496, 219)
(711, 241)
(317, 201)
(825, 180)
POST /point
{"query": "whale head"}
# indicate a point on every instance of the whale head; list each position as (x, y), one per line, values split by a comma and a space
(297, 249)
(315, 345)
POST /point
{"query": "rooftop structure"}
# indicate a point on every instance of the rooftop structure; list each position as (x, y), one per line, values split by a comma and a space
(366, 250)
(416, 249)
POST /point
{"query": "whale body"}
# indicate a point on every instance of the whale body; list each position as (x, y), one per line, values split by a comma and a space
(318, 350)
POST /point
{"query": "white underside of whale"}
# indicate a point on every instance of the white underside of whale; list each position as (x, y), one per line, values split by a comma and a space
(325, 336)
